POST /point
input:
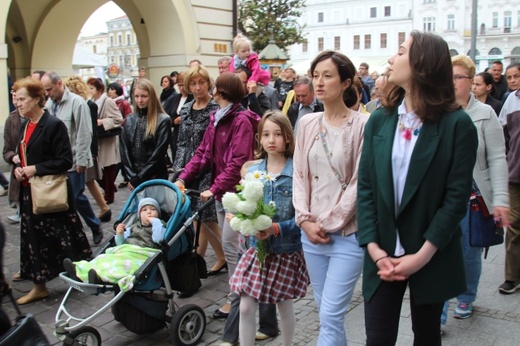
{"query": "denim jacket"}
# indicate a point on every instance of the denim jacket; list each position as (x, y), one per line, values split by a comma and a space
(280, 191)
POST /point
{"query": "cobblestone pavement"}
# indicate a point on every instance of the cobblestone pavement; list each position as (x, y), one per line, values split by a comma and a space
(496, 320)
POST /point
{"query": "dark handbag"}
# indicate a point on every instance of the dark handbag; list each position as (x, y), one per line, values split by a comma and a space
(483, 230)
(25, 332)
(102, 133)
(183, 273)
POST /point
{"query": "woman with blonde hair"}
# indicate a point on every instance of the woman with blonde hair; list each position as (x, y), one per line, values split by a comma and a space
(489, 177)
(145, 137)
(79, 87)
(194, 121)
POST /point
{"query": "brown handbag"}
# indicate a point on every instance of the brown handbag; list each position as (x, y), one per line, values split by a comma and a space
(49, 193)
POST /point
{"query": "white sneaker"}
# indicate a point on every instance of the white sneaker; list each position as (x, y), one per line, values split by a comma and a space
(3, 192)
(14, 218)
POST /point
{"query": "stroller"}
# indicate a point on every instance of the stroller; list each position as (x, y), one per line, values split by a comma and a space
(149, 305)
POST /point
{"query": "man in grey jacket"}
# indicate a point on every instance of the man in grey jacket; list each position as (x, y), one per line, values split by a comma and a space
(74, 112)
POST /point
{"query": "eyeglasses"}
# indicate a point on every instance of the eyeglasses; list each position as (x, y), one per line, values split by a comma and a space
(460, 77)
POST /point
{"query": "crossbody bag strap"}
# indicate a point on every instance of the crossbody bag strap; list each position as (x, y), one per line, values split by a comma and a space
(327, 154)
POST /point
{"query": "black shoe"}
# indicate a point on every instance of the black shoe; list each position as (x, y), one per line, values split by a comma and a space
(97, 236)
(217, 271)
(186, 294)
(70, 268)
(123, 184)
(93, 278)
(218, 314)
(106, 216)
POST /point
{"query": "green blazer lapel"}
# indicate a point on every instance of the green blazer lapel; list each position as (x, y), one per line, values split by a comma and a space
(383, 143)
(422, 155)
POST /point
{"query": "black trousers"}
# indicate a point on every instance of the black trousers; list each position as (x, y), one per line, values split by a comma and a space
(383, 311)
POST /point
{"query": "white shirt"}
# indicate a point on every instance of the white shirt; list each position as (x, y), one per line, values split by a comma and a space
(401, 155)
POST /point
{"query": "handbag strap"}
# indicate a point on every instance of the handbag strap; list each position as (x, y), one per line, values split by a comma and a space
(23, 162)
(327, 154)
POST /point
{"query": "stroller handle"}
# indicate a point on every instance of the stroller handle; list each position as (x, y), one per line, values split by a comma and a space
(196, 194)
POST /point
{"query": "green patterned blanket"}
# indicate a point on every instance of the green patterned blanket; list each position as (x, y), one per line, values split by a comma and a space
(117, 265)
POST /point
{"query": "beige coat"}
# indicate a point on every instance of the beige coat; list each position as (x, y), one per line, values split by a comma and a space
(108, 153)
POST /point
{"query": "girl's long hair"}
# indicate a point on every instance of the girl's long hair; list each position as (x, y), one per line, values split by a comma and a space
(281, 120)
(154, 105)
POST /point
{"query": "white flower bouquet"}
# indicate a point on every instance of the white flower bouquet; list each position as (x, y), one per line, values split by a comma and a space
(251, 214)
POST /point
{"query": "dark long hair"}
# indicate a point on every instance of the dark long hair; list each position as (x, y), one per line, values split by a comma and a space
(431, 86)
(346, 70)
(488, 80)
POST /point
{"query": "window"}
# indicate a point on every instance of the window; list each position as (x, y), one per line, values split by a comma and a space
(111, 41)
(495, 19)
(429, 1)
(337, 43)
(518, 19)
(451, 22)
(401, 37)
(429, 24)
(383, 41)
(305, 47)
(128, 40)
(320, 17)
(94, 49)
(387, 11)
(507, 21)
(373, 12)
(112, 59)
(368, 41)
(320, 44)
(119, 40)
(120, 60)
(356, 41)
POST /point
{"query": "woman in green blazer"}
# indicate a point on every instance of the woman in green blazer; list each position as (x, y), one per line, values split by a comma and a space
(415, 178)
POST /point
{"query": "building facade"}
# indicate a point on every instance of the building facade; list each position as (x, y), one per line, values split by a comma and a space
(97, 44)
(123, 48)
(371, 30)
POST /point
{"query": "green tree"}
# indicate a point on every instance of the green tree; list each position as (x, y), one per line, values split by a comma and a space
(263, 20)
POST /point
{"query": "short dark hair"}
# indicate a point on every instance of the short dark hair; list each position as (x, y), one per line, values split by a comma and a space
(174, 74)
(40, 73)
(244, 69)
(364, 64)
(513, 65)
(488, 80)
(170, 80)
(498, 62)
(96, 83)
(230, 87)
(346, 70)
(117, 87)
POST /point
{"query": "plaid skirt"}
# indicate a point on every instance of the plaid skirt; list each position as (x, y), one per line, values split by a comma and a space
(282, 277)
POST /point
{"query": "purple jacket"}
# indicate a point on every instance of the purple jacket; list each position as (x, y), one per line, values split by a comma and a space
(224, 149)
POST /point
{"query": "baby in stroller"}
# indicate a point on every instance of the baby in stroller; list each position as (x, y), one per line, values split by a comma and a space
(134, 245)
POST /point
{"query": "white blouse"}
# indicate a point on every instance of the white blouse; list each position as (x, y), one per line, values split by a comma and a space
(401, 155)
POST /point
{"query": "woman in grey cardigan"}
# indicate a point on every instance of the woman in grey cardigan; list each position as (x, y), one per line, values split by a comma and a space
(489, 174)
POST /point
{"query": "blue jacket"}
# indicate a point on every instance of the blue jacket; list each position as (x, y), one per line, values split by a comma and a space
(280, 191)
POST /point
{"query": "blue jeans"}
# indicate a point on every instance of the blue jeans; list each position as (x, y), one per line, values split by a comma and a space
(473, 265)
(83, 206)
(334, 269)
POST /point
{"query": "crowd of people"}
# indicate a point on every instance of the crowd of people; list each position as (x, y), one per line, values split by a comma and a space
(339, 144)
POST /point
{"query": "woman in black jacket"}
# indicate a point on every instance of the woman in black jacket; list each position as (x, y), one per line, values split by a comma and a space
(145, 137)
(45, 239)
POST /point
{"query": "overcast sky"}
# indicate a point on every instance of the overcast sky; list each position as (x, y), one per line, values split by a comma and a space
(97, 21)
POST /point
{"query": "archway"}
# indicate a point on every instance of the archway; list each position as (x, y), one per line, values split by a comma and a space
(42, 34)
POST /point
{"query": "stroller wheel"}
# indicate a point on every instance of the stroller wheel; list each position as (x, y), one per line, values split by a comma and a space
(188, 325)
(85, 336)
